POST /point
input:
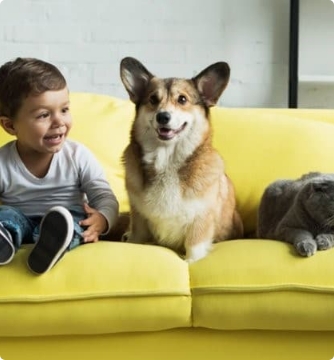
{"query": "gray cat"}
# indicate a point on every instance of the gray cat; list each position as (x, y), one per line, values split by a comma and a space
(300, 212)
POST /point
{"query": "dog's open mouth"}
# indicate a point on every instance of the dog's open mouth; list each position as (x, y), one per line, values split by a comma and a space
(166, 133)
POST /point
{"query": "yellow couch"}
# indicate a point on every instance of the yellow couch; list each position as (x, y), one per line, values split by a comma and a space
(249, 299)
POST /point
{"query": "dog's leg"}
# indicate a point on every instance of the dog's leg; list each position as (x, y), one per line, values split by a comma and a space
(199, 239)
(198, 251)
(139, 231)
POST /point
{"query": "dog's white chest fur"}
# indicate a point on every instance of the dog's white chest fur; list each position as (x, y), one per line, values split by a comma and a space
(163, 203)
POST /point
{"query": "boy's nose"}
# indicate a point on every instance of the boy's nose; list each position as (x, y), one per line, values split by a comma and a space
(57, 120)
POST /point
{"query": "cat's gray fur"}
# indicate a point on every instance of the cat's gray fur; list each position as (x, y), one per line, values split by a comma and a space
(300, 212)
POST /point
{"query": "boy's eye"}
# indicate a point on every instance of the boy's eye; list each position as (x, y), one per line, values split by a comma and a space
(65, 110)
(42, 116)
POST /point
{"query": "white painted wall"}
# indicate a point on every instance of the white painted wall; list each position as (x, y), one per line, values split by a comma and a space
(87, 40)
(316, 54)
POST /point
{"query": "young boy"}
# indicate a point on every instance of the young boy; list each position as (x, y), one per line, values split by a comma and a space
(52, 190)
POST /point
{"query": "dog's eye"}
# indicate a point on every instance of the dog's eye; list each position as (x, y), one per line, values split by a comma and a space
(153, 99)
(181, 99)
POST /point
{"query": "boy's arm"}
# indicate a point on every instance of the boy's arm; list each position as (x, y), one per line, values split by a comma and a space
(97, 188)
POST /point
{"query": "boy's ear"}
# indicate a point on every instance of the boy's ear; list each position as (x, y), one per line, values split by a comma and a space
(7, 124)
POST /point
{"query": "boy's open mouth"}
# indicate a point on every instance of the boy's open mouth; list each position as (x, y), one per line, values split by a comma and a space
(53, 138)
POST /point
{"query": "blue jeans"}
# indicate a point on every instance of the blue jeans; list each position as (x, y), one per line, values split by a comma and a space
(25, 230)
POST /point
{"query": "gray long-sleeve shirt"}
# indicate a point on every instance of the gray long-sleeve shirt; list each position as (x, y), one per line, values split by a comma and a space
(74, 176)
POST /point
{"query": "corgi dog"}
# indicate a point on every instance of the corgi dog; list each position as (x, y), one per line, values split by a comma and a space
(179, 194)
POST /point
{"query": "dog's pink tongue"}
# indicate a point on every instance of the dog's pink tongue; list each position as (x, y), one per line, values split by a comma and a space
(166, 133)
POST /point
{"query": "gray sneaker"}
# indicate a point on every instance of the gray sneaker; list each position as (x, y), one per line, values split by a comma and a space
(56, 232)
(7, 250)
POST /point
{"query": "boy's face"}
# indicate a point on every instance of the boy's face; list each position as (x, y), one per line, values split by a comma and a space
(43, 122)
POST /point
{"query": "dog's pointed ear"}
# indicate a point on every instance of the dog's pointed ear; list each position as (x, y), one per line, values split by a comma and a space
(135, 78)
(212, 81)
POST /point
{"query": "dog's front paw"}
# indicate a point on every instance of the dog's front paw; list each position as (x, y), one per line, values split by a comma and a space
(306, 247)
(325, 241)
(198, 251)
(189, 260)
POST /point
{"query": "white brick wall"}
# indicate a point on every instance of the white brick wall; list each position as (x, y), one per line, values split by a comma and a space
(87, 39)
(316, 55)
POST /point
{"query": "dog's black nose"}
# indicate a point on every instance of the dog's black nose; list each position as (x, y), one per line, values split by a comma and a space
(163, 117)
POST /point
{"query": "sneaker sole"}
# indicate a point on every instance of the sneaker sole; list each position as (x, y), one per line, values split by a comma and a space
(56, 234)
(7, 250)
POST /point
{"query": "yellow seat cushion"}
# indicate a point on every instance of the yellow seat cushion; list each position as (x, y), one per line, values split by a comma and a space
(263, 284)
(105, 287)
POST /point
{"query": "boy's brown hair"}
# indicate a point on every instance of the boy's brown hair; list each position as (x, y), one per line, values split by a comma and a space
(23, 77)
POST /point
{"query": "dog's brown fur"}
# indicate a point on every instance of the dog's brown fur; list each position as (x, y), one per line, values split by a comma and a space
(179, 194)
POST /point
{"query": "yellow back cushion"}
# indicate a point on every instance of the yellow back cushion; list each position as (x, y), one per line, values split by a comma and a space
(262, 145)
(258, 145)
(103, 124)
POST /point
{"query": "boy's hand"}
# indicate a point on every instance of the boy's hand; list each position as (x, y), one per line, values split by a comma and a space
(96, 224)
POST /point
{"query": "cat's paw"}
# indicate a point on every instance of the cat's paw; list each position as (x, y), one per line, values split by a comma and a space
(325, 241)
(306, 248)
